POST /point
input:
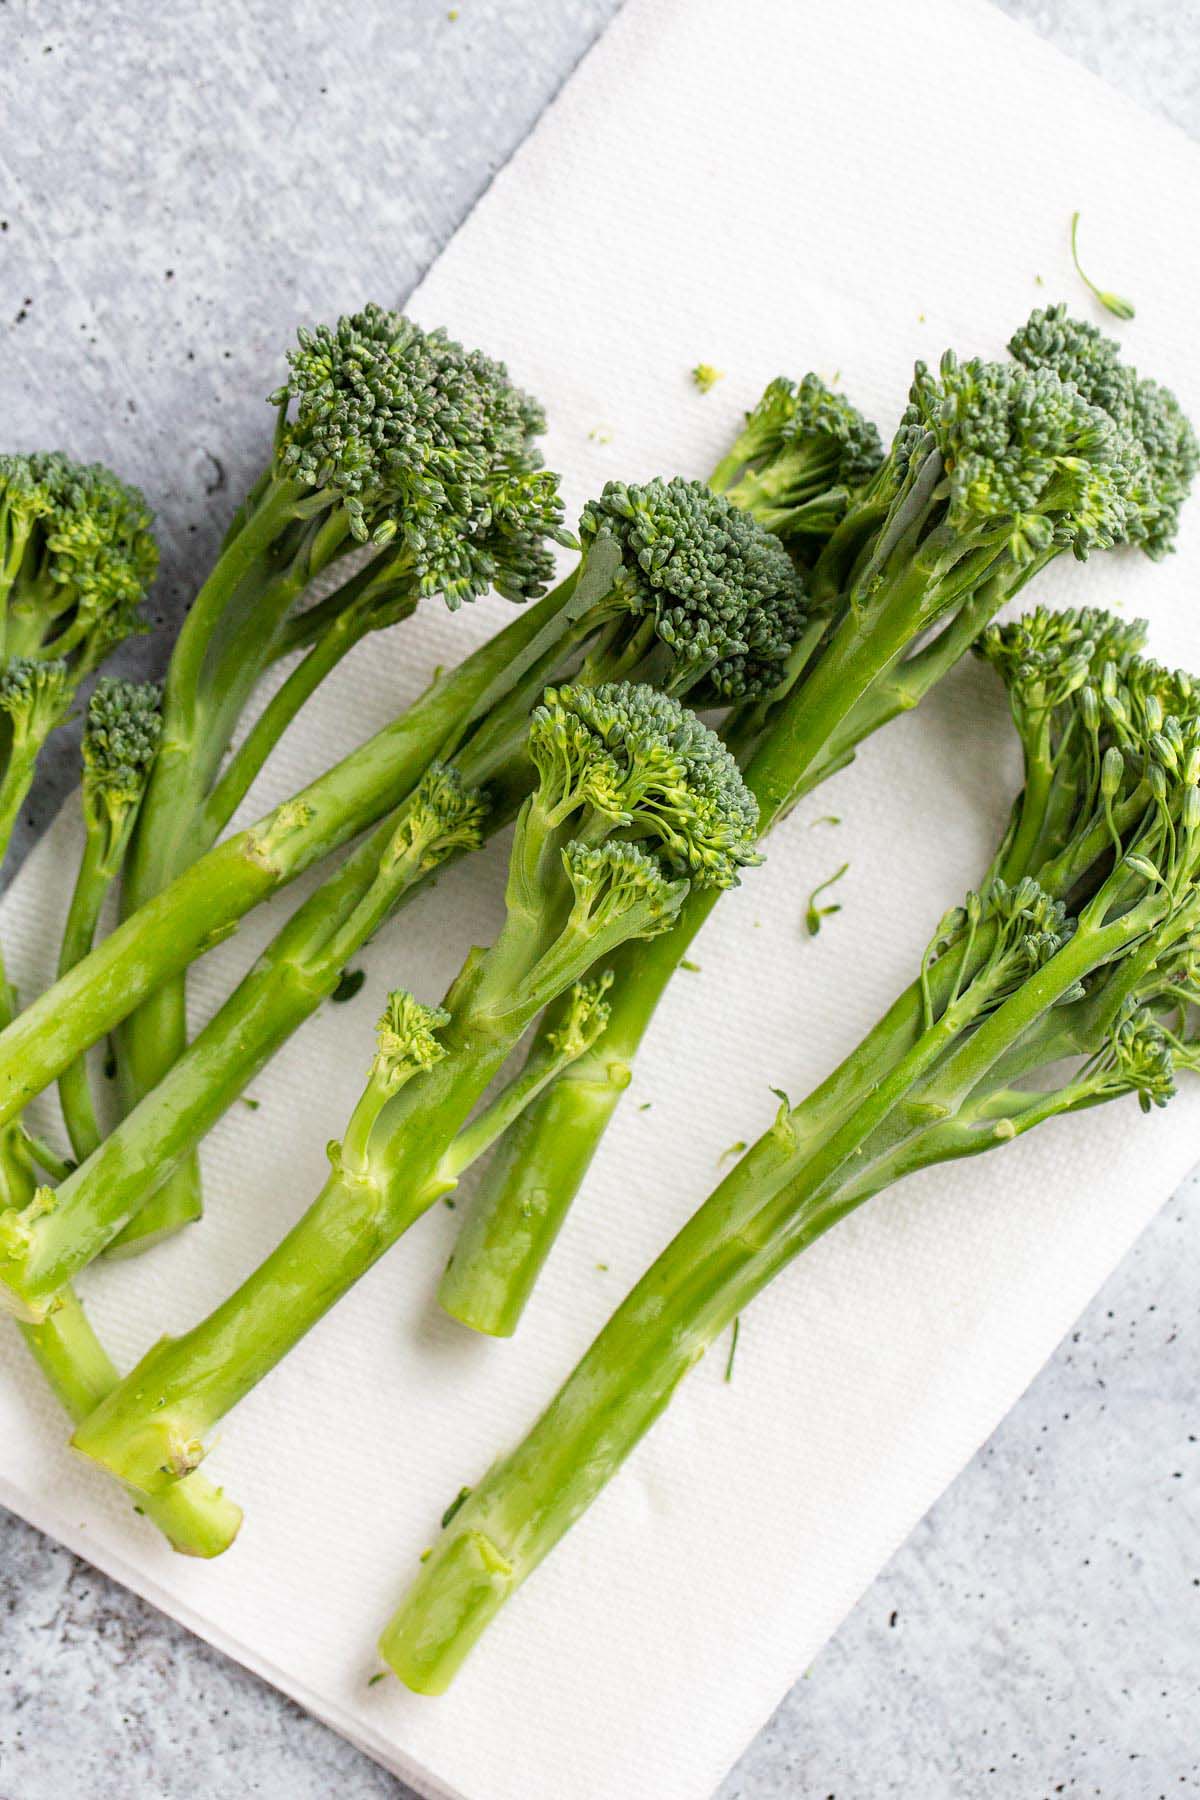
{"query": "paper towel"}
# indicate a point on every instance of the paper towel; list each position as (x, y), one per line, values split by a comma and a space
(768, 186)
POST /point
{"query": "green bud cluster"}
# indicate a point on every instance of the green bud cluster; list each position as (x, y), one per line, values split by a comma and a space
(120, 739)
(721, 589)
(1079, 353)
(426, 446)
(35, 696)
(76, 557)
(586, 1017)
(647, 764)
(444, 815)
(406, 1039)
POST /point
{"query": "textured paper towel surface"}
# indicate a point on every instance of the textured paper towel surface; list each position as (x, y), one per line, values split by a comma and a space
(768, 186)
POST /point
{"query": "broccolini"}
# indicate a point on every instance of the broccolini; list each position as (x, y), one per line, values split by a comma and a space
(1071, 982)
(386, 435)
(634, 801)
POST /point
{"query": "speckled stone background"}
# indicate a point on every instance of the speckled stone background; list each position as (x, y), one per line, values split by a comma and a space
(1040, 1633)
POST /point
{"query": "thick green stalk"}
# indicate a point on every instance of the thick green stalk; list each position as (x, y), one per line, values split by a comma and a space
(83, 916)
(225, 643)
(298, 970)
(154, 1037)
(194, 1516)
(204, 903)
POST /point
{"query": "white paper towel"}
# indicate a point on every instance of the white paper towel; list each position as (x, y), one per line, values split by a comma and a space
(765, 186)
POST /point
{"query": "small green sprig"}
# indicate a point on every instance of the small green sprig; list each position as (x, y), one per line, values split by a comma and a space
(1113, 303)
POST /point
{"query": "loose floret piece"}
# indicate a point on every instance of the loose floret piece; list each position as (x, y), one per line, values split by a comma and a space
(1073, 984)
(1116, 304)
(583, 879)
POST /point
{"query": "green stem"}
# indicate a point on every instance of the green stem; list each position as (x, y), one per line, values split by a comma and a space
(351, 623)
(83, 916)
(298, 970)
(193, 1515)
(155, 1036)
(784, 1193)
(151, 1430)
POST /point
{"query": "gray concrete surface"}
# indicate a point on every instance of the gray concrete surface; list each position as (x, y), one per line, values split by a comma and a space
(1040, 1633)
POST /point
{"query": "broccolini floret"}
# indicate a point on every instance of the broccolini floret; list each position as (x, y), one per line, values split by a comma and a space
(717, 588)
(803, 451)
(76, 557)
(1079, 353)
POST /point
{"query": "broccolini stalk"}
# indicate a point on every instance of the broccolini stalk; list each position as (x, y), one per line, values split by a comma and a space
(76, 559)
(120, 742)
(634, 799)
(195, 1517)
(387, 436)
(1021, 1013)
(996, 469)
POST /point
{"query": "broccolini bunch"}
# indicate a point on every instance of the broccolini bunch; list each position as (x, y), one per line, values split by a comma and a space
(997, 468)
(1071, 981)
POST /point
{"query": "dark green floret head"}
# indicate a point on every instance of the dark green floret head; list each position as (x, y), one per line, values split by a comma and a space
(721, 589)
(1027, 454)
(1078, 352)
(428, 447)
(809, 417)
(79, 543)
(640, 759)
(817, 414)
(120, 737)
